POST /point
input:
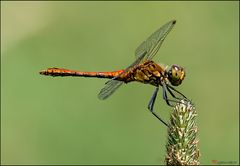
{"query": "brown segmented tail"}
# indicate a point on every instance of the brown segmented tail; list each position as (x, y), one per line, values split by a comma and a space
(65, 72)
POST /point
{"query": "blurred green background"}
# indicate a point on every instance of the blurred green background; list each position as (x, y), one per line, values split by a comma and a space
(47, 120)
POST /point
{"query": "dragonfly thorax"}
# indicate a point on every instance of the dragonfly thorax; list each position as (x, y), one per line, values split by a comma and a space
(147, 72)
(175, 75)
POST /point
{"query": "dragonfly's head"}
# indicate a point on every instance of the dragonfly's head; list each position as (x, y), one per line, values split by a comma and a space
(176, 75)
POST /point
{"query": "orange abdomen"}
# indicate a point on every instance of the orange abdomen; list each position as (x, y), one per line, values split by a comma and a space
(65, 72)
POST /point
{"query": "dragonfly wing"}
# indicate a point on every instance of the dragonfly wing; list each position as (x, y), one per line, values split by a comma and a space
(151, 45)
(110, 87)
(137, 61)
(145, 51)
(113, 84)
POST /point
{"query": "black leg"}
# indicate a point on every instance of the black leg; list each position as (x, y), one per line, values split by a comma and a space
(160, 119)
(165, 96)
(169, 86)
(153, 98)
(151, 105)
(172, 94)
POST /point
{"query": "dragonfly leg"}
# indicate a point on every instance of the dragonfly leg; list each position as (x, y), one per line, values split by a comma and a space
(172, 94)
(165, 97)
(151, 105)
(178, 98)
(170, 87)
(153, 98)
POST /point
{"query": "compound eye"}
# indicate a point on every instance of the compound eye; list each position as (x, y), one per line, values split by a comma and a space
(176, 75)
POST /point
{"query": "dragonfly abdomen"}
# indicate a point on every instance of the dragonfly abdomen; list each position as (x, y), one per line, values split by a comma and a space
(66, 72)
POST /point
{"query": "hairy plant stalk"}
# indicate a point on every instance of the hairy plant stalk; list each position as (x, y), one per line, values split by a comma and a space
(182, 145)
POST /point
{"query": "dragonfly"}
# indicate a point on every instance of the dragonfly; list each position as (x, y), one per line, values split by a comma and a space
(143, 70)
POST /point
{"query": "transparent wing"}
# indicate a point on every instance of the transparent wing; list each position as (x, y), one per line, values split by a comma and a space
(110, 87)
(136, 62)
(151, 45)
(113, 84)
(145, 51)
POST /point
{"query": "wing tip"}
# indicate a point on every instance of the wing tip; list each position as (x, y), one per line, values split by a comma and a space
(101, 97)
(174, 21)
